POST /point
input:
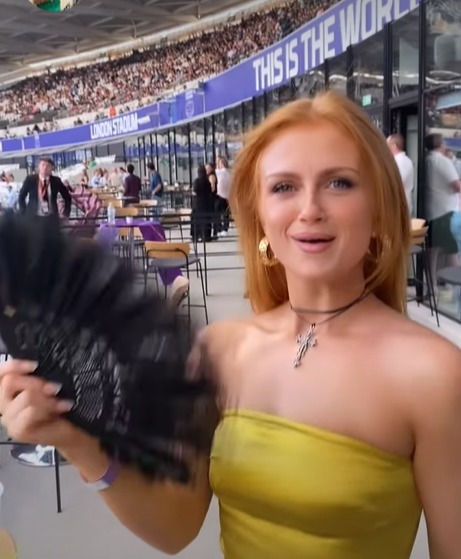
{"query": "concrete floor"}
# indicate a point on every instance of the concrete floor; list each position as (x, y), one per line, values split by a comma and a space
(86, 529)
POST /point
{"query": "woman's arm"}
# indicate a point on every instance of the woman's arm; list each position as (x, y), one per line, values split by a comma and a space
(165, 515)
(213, 182)
(437, 459)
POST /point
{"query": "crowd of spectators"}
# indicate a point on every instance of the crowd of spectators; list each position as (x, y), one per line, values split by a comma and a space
(145, 75)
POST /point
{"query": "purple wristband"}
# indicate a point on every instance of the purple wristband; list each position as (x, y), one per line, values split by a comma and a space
(107, 479)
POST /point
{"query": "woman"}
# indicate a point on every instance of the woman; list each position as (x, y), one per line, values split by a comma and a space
(201, 215)
(341, 417)
(214, 210)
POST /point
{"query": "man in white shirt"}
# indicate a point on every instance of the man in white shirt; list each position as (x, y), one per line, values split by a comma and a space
(442, 190)
(223, 191)
(396, 144)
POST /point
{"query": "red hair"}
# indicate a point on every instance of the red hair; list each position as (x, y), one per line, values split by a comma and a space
(385, 264)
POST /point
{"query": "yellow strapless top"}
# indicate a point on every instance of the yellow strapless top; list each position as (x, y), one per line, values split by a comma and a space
(291, 491)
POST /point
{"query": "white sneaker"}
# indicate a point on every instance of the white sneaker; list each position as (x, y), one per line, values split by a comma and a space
(178, 290)
(223, 233)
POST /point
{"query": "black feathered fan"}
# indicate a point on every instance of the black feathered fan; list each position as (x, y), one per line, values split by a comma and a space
(119, 353)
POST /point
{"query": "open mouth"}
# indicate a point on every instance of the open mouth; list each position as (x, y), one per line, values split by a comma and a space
(314, 240)
(314, 243)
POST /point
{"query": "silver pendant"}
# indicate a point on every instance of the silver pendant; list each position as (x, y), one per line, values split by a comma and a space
(305, 342)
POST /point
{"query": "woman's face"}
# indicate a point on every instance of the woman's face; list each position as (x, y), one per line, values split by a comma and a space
(315, 203)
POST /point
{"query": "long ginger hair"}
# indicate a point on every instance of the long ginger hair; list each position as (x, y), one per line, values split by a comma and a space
(385, 263)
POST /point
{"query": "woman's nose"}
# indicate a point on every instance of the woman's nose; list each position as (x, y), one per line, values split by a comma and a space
(311, 206)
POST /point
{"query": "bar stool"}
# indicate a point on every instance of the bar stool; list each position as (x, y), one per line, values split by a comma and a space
(418, 251)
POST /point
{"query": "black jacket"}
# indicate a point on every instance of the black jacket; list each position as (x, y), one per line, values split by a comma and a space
(28, 196)
(204, 198)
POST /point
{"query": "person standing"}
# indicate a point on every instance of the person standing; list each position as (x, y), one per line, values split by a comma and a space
(156, 183)
(39, 193)
(204, 201)
(443, 189)
(223, 189)
(156, 188)
(132, 187)
(396, 143)
(214, 211)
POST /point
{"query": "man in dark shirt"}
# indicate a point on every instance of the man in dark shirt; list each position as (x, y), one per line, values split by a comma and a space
(132, 187)
(156, 183)
(39, 193)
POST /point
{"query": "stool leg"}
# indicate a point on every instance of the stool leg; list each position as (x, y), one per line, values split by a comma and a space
(415, 278)
(58, 481)
(430, 285)
(199, 267)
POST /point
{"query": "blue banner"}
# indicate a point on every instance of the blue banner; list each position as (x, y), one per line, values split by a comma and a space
(330, 34)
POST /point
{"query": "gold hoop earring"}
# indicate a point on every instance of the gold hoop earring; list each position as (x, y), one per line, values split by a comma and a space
(268, 258)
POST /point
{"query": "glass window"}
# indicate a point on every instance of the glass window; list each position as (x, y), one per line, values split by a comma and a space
(172, 154)
(337, 73)
(443, 45)
(443, 168)
(310, 84)
(405, 54)
(234, 132)
(377, 119)
(260, 109)
(247, 115)
(368, 77)
(272, 100)
(209, 139)
(182, 155)
(163, 156)
(197, 144)
(219, 137)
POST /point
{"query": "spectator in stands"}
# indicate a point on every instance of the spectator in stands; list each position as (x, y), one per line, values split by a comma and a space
(145, 75)
(132, 187)
(39, 193)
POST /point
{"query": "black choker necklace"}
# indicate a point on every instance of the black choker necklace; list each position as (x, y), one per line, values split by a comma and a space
(309, 339)
(299, 310)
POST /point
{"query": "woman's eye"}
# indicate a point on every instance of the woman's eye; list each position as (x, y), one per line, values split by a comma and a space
(282, 187)
(340, 184)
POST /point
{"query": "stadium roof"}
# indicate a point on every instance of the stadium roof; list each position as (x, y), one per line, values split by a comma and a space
(29, 35)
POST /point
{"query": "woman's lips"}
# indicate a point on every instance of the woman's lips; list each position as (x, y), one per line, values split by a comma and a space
(314, 245)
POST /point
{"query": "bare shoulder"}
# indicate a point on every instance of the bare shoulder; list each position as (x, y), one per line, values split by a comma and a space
(225, 341)
(426, 347)
(427, 364)
(222, 338)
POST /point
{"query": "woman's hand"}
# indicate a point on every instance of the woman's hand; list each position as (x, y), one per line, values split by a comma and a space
(30, 410)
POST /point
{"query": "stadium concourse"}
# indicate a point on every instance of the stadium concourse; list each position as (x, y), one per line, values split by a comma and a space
(112, 88)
